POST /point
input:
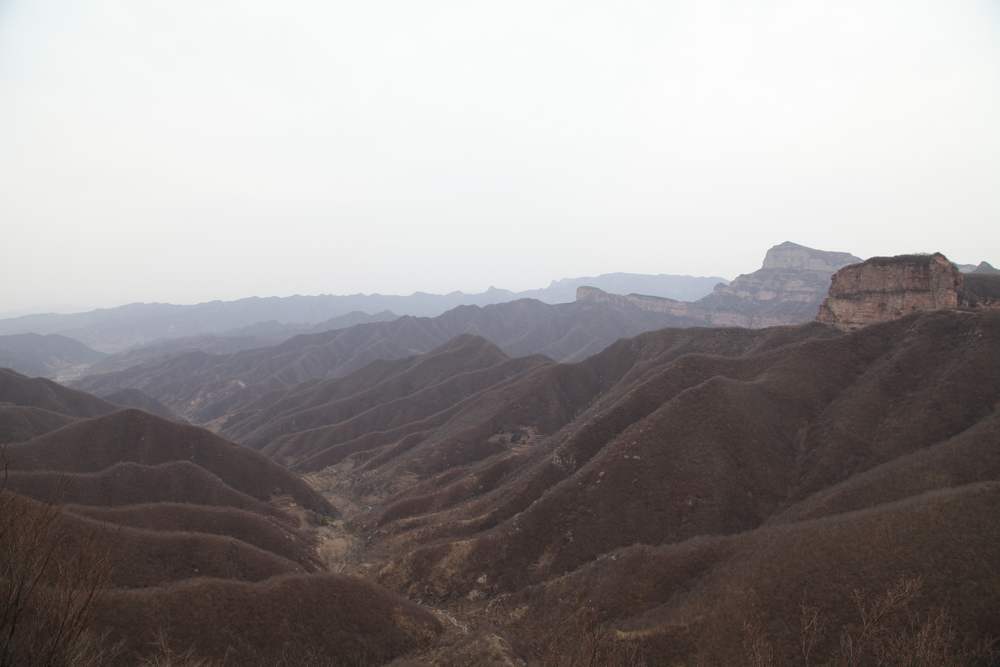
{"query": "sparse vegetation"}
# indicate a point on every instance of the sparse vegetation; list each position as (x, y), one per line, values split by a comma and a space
(891, 628)
(684, 498)
(47, 596)
(583, 641)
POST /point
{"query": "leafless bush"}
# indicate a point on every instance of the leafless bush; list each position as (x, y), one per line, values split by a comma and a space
(890, 632)
(164, 655)
(757, 646)
(585, 642)
(47, 593)
(879, 616)
(811, 629)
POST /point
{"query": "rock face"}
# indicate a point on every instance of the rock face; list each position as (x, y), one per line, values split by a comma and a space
(787, 289)
(887, 288)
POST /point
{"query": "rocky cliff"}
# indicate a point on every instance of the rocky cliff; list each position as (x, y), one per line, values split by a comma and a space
(887, 288)
(787, 289)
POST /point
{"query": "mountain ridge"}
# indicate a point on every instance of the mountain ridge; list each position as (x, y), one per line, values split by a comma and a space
(115, 329)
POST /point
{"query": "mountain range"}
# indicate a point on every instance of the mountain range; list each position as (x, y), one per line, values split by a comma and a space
(514, 489)
(124, 327)
(202, 387)
(46, 355)
(625, 479)
(788, 289)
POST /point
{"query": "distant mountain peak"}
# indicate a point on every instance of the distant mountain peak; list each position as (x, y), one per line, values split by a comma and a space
(789, 255)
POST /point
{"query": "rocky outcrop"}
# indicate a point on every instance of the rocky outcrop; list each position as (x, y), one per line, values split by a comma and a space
(787, 289)
(887, 288)
(796, 282)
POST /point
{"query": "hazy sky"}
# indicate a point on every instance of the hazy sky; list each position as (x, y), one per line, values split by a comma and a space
(189, 150)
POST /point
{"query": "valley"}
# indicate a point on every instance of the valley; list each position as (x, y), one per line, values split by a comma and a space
(587, 483)
(523, 334)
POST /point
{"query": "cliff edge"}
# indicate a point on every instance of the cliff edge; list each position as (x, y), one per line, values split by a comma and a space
(887, 288)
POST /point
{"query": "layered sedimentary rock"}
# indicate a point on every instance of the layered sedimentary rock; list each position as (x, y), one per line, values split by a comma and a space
(887, 288)
(787, 289)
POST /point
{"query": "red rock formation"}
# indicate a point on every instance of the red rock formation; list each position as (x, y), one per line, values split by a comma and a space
(887, 288)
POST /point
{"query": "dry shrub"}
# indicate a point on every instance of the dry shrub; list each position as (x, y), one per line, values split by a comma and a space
(585, 642)
(164, 655)
(889, 630)
(757, 646)
(811, 629)
(46, 595)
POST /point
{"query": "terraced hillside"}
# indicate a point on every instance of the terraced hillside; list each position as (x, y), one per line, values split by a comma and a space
(158, 530)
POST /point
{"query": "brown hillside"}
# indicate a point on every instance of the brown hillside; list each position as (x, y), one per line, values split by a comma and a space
(689, 443)
(333, 401)
(134, 436)
(141, 558)
(287, 620)
(707, 599)
(971, 456)
(132, 484)
(19, 422)
(181, 519)
(19, 389)
(683, 496)
(983, 289)
(393, 420)
(263, 532)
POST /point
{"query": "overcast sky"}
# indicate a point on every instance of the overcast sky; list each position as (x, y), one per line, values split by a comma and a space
(189, 150)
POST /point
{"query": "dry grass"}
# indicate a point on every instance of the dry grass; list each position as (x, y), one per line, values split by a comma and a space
(132, 436)
(890, 629)
(47, 600)
(584, 641)
(295, 619)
